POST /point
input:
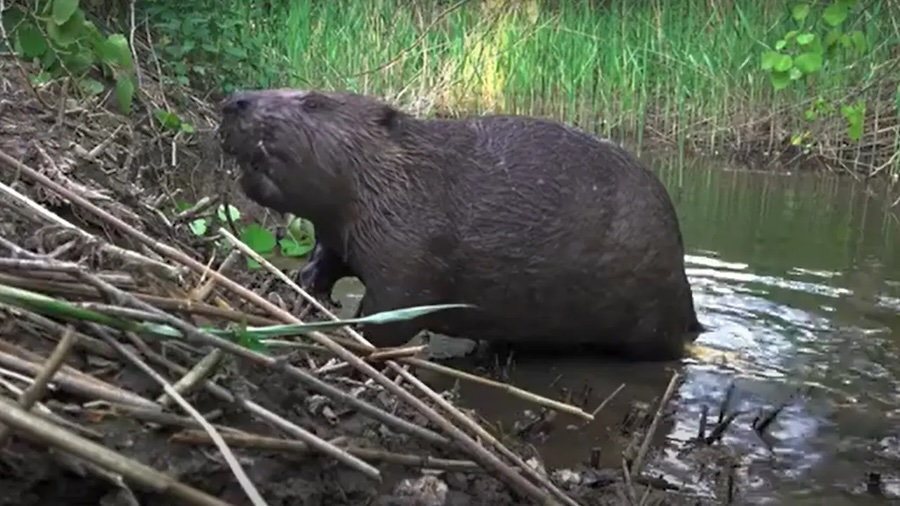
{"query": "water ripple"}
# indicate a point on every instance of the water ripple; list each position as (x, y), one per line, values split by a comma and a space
(789, 340)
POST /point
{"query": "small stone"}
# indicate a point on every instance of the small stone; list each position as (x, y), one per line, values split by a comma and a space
(428, 490)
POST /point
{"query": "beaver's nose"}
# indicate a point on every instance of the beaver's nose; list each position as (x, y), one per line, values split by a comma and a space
(237, 103)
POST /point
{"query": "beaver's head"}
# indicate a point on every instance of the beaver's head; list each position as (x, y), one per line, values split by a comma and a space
(301, 151)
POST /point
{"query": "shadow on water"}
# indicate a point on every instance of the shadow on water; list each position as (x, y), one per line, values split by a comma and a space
(797, 279)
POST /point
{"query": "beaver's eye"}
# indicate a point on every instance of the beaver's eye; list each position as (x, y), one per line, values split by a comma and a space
(311, 103)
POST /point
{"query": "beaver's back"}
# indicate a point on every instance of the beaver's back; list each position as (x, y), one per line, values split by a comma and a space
(560, 233)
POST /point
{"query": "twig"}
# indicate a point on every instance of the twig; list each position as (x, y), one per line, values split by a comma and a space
(195, 376)
(42, 213)
(41, 409)
(645, 446)
(270, 443)
(512, 390)
(96, 388)
(28, 424)
(487, 436)
(606, 401)
(36, 390)
(243, 479)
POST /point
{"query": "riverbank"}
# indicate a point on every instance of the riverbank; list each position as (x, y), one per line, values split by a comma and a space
(129, 419)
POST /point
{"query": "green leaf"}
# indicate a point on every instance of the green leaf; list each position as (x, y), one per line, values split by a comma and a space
(32, 41)
(199, 226)
(799, 12)
(236, 52)
(59, 308)
(292, 248)
(835, 14)
(791, 34)
(62, 309)
(251, 342)
(258, 238)
(859, 41)
(781, 44)
(124, 93)
(784, 63)
(11, 18)
(187, 128)
(795, 73)
(167, 119)
(769, 59)
(808, 63)
(373, 319)
(116, 48)
(833, 37)
(780, 80)
(63, 10)
(855, 130)
(805, 38)
(233, 211)
(69, 32)
(91, 87)
(79, 63)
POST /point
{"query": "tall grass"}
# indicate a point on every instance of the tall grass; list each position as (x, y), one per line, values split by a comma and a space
(677, 68)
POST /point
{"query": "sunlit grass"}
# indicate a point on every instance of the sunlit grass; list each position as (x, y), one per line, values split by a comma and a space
(680, 68)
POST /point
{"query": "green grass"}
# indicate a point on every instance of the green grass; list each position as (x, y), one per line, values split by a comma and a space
(613, 66)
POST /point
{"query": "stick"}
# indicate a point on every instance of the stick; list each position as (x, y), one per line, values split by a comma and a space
(36, 390)
(23, 422)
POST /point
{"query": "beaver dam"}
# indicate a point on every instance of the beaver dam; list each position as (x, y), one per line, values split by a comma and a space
(126, 378)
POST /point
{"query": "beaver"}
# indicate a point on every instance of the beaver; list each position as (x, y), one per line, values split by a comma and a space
(562, 240)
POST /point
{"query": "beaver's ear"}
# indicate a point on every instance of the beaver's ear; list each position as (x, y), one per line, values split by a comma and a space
(388, 117)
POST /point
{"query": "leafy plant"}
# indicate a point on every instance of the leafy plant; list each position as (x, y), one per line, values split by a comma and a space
(805, 51)
(64, 42)
(297, 243)
(207, 44)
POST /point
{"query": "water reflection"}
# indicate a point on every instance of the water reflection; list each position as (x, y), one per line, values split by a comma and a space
(797, 278)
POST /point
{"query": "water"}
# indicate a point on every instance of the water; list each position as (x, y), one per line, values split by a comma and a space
(797, 279)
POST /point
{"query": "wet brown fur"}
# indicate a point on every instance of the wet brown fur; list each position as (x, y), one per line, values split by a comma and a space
(560, 238)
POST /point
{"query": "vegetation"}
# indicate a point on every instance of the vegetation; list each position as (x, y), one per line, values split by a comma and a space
(690, 73)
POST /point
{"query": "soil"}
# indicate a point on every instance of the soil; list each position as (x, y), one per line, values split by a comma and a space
(126, 180)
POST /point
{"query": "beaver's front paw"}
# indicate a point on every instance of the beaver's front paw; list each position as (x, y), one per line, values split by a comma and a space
(318, 282)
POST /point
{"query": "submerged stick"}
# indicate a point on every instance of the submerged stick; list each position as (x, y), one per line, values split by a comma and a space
(645, 446)
(25, 423)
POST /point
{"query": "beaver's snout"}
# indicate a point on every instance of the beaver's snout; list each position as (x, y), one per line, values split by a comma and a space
(231, 129)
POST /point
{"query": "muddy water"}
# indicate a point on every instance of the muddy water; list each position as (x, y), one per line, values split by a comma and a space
(797, 279)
